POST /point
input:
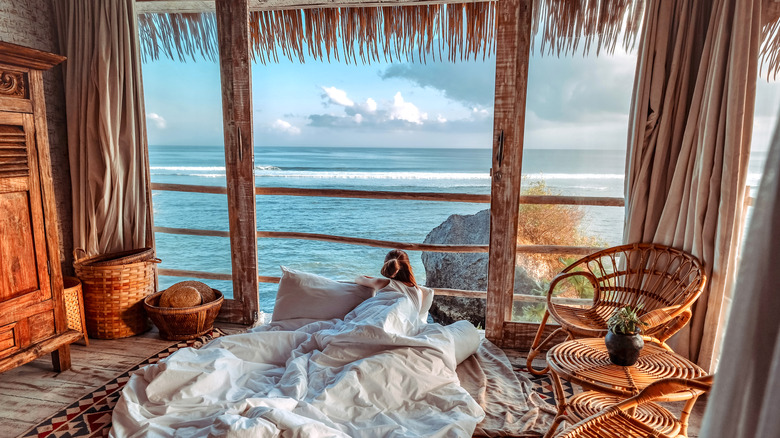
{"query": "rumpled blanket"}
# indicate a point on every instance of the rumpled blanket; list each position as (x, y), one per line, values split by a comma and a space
(379, 372)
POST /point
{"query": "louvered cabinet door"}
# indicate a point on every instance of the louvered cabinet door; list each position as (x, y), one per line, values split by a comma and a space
(26, 304)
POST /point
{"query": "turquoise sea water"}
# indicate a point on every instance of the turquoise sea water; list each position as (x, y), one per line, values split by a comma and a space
(567, 172)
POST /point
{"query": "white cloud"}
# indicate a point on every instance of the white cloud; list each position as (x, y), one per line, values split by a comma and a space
(337, 96)
(441, 119)
(370, 105)
(157, 120)
(283, 126)
(402, 110)
(358, 118)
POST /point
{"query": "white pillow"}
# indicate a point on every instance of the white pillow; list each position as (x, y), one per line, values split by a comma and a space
(306, 295)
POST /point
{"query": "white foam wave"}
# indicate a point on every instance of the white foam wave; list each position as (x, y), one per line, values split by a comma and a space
(189, 168)
(549, 176)
(204, 168)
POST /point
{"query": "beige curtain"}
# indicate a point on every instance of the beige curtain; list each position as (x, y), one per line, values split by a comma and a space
(106, 124)
(689, 142)
(744, 400)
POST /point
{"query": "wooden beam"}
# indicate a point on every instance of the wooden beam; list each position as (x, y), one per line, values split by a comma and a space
(429, 247)
(513, 45)
(600, 201)
(236, 75)
(199, 6)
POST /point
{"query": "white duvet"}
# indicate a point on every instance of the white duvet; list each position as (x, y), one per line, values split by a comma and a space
(380, 372)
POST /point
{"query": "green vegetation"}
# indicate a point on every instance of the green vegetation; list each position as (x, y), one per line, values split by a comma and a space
(550, 224)
(625, 321)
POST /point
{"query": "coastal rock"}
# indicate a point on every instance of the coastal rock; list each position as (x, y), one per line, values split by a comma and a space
(463, 271)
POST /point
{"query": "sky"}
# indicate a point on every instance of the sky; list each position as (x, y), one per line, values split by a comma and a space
(573, 102)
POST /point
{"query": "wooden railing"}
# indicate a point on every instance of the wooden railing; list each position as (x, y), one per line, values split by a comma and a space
(373, 194)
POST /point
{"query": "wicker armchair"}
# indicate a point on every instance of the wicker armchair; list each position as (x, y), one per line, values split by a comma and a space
(622, 420)
(663, 282)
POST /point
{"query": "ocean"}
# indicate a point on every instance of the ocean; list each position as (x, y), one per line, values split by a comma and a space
(565, 172)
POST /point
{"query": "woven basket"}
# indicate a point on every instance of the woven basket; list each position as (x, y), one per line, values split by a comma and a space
(113, 295)
(74, 305)
(122, 257)
(179, 323)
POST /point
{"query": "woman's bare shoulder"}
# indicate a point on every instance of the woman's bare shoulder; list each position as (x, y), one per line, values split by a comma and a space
(373, 282)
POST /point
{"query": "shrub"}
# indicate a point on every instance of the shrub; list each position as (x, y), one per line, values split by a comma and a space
(550, 224)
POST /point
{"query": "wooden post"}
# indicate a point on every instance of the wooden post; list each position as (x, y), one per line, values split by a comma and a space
(513, 46)
(236, 75)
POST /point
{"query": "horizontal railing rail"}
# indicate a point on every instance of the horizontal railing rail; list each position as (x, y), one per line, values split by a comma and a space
(425, 247)
(601, 201)
(437, 291)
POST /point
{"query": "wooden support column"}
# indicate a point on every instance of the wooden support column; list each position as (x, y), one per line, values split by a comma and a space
(513, 45)
(236, 74)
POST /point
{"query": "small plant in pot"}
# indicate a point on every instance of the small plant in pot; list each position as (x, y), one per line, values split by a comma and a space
(624, 338)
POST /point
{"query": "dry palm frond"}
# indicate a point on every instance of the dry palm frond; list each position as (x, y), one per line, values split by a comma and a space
(770, 49)
(565, 24)
(180, 34)
(410, 33)
(395, 33)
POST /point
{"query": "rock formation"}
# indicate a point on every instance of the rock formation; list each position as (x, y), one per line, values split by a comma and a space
(467, 271)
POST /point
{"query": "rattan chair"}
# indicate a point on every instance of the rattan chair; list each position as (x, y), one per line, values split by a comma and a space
(622, 420)
(662, 282)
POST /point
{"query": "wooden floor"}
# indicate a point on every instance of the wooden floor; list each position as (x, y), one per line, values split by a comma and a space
(33, 392)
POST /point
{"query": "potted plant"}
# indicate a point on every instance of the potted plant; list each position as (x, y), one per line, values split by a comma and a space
(624, 338)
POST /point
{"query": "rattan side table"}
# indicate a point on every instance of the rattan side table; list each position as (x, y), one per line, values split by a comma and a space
(586, 363)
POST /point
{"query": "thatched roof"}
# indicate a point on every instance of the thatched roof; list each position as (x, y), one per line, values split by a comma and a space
(388, 30)
(410, 32)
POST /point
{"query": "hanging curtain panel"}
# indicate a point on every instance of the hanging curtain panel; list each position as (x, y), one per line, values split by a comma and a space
(106, 125)
(744, 399)
(689, 143)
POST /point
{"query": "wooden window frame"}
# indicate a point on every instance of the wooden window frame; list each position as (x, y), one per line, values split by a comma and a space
(513, 38)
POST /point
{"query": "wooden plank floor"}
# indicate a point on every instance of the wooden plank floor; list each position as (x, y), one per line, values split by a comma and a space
(31, 393)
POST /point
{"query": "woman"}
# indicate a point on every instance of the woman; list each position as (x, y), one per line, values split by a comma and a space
(400, 278)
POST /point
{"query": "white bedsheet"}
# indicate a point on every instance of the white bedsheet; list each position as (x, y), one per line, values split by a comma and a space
(378, 373)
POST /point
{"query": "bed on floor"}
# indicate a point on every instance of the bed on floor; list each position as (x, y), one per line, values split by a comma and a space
(376, 371)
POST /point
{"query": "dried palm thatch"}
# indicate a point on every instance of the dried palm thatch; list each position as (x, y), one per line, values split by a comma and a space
(409, 33)
(563, 24)
(178, 34)
(770, 49)
(414, 33)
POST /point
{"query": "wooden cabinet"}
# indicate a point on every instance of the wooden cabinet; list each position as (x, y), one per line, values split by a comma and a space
(32, 312)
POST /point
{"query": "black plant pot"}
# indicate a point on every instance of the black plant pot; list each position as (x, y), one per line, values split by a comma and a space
(623, 349)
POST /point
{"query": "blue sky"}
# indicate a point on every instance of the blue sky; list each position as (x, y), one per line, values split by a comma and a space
(573, 102)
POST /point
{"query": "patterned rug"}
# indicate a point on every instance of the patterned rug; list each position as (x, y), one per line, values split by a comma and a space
(91, 415)
(543, 384)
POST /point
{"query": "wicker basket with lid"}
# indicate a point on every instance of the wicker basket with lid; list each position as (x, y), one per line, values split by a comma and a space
(114, 286)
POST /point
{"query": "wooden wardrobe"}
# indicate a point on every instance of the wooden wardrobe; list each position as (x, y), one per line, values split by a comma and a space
(32, 312)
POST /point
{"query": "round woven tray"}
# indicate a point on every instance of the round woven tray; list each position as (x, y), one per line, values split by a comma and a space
(588, 403)
(586, 362)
